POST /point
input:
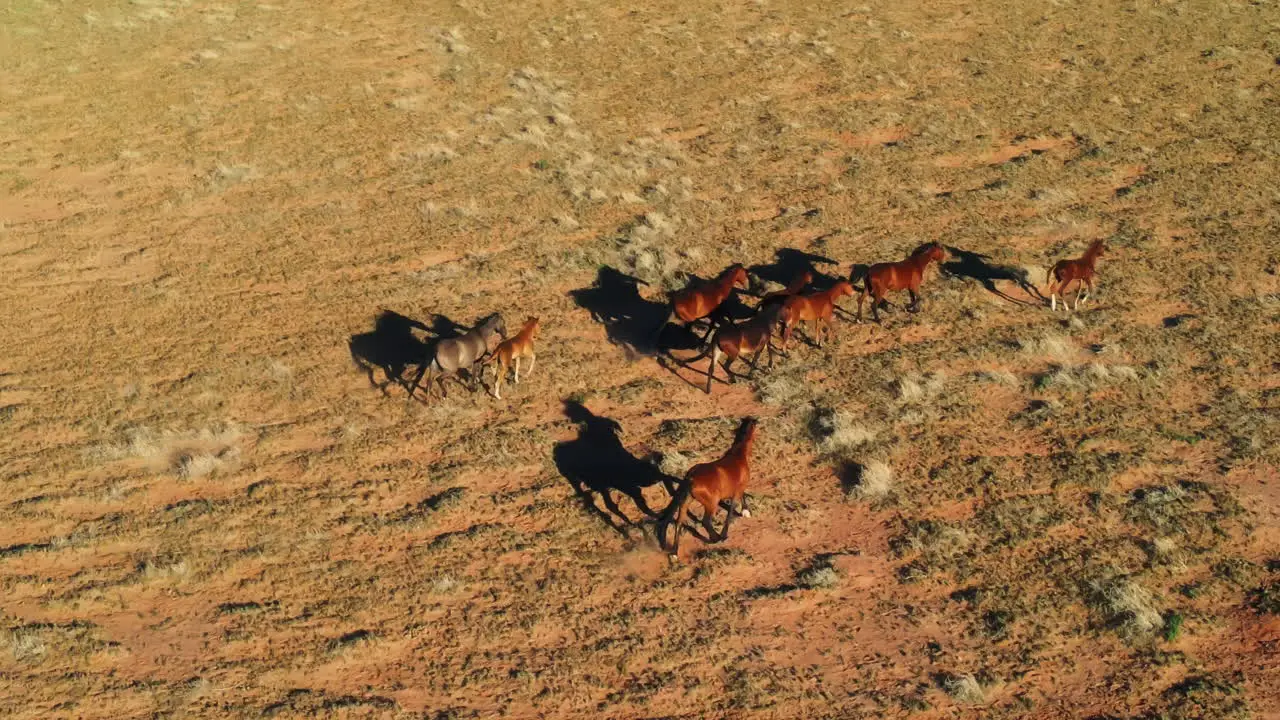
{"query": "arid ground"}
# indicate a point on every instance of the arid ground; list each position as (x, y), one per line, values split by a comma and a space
(228, 229)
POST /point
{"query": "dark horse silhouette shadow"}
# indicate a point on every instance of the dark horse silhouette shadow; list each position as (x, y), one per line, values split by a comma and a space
(975, 266)
(614, 300)
(597, 463)
(392, 347)
(790, 262)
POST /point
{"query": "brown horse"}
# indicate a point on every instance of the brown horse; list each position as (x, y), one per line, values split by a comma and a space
(510, 351)
(753, 335)
(882, 278)
(1065, 272)
(710, 483)
(797, 284)
(460, 353)
(700, 299)
(817, 308)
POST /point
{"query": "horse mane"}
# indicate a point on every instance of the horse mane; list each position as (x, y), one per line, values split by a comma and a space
(741, 434)
(926, 247)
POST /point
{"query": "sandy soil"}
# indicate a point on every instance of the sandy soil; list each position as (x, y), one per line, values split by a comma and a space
(224, 228)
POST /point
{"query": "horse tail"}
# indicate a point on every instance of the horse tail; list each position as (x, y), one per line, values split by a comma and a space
(670, 311)
(674, 511)
(856, 273)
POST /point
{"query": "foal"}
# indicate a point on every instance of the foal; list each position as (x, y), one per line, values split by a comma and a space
(817, 308)
(510, 351)
(710, 483)
(460, 353)
(882, 278)
(1065, 272)
(753, 335)
(700, 299)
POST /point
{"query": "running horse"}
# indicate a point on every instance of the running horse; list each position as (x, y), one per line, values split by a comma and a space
(510, 351)
(883, 278)
(460, 353)
(753, 335)
(710, 483)
(700, 300)
(817, 308)
(1065, 272)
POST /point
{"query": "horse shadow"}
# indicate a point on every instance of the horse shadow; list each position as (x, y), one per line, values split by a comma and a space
(392, 347)
(790, 262)
(975, 266)
(630, 320)
(597, 463)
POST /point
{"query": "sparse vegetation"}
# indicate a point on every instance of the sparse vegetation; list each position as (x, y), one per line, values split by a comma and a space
(207, 512)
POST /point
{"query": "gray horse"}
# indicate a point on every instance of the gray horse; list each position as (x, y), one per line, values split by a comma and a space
(460, 353)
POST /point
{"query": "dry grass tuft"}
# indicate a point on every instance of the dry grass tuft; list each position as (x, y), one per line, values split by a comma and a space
(913, 389)
(1053, 346)
(646, 251)
(874, 482)
(24, 644)
(1128, 607)
(838, 433)
(187, 455)
(966, 689)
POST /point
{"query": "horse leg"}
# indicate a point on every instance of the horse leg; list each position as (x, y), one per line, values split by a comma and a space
(755, 359)
(517, 359)
(861, 298)
(1079, 289)
(742, 502)
(532, 359)
(711, 369)
(413, 387)
(875, 307)
(728, 361)
(499, 371)
(680, 517)
(1087, 289)
(915, 301)
(712, 535)
(728, 519)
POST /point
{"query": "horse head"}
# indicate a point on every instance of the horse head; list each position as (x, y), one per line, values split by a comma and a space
(737, 275)
(931, 252)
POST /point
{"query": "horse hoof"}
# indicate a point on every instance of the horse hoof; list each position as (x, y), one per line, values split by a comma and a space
(674, 557)
(746, 513)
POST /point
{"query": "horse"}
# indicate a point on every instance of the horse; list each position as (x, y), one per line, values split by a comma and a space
(817, 308)
(699, 300)
(797, 284)
(709, 483)
(460, 353)
(882, 278)
(751, 335)
(510, 351)
(1065, 272)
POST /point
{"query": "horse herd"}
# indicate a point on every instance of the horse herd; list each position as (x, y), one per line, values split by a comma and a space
(723, 482)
